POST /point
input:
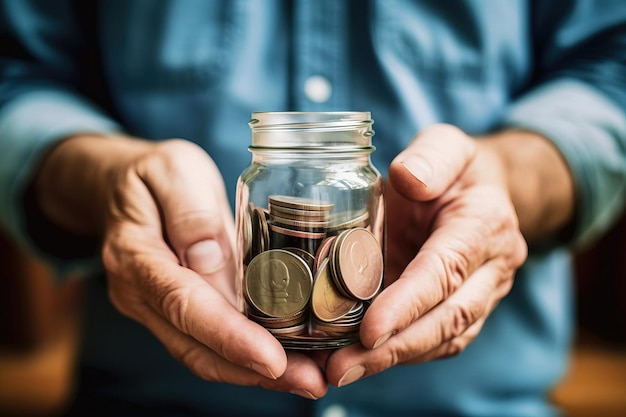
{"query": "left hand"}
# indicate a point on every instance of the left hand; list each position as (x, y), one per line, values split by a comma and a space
(453, 247)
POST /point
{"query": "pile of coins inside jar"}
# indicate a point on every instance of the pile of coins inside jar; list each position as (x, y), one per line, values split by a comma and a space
(309, 272)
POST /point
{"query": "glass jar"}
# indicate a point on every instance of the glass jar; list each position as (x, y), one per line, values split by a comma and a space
(310, 217)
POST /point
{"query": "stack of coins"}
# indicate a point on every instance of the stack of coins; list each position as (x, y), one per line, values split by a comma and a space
(310, 272)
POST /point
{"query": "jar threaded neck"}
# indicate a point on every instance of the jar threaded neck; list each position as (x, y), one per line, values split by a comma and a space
(312, 130)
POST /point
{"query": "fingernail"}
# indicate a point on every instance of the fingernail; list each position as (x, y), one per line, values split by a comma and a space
(205, 257)
(382, 339)
(351, 375)
(304, 393)
(262, 369)
(419, 168)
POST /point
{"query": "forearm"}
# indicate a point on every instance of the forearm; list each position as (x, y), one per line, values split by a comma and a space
(539, 181)
(71, 183)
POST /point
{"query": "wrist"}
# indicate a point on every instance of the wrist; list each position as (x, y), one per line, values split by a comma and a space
(538, 180)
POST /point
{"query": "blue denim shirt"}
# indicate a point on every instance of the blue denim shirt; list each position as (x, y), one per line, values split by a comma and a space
(197, 69)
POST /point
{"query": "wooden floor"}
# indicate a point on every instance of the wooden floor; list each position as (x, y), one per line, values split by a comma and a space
(596, 383)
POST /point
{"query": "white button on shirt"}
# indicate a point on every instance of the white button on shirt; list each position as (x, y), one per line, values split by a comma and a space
(318, 89)
(335, 411)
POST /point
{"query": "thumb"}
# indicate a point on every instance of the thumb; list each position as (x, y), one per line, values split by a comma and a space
(431, 163)
(196, 215)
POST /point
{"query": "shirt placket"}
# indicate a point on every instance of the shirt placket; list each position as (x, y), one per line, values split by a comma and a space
(320, 55)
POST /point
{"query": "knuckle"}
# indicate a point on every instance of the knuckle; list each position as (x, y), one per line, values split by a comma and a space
(459, 318)
(456, 265)
(393, 358)
(174, 303)
(520, 251)
(390, 357)
(167, 147)
(175, 155)
(206, 219)
(454, 347)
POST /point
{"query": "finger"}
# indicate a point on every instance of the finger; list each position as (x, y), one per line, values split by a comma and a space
(431, 163)
(199, 310)
(302, 376)
(320, 357)
(445, 330)
(197, 218)
(196, 309)
(453, 346)
(460, 244)
(431, 277)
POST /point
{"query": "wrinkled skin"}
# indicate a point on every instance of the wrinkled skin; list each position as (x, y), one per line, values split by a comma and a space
(453, 246)
(159, 278)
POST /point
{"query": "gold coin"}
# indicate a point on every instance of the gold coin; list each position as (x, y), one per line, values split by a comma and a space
(278, 283)
(327, 303)
(358, 263)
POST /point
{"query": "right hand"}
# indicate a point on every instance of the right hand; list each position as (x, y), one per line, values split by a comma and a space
(169, 255)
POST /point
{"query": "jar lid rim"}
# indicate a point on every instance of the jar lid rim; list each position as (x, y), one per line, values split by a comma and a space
(301, 119)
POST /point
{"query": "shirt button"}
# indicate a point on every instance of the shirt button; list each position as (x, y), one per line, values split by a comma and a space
(335, 411)
(318, 89)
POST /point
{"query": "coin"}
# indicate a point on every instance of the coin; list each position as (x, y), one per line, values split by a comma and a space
(347, 220)
(322, 252)
(278, 322)
(281, 237)
(349, 323)
(296, 330)
(358, 263)
(310, 271)
(308, 258)
(278, 283)
(327, 303)
(305, 342)
(307, 225)
(260, 231)
(300, 203)
(248, 235)
(297, 233)
(333, 329)
(295, 214)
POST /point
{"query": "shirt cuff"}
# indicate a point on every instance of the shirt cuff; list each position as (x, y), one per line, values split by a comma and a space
(29, 126)
(590, 132)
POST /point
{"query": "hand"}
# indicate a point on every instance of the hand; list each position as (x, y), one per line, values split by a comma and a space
(168, 252)
(453, 246)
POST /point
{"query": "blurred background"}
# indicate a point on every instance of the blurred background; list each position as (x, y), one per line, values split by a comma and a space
(39, 334)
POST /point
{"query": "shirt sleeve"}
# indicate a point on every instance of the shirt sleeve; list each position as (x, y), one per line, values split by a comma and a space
(579, 103)
(40, 99)
(590, 132)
